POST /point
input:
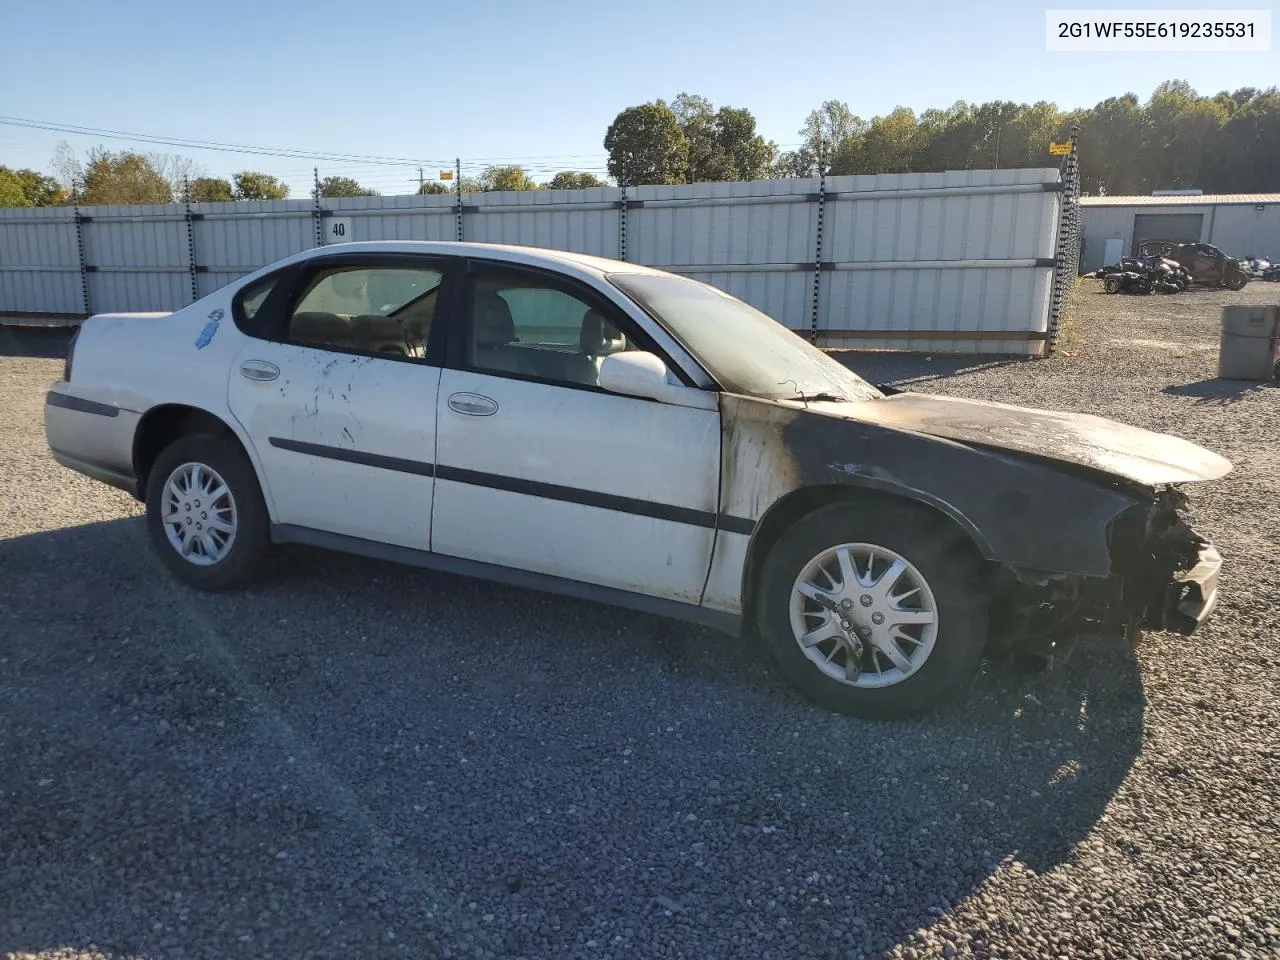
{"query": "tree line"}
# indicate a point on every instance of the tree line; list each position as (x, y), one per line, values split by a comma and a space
(1225, 143)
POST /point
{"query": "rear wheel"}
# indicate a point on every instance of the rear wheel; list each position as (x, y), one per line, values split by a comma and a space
(873, 612)
(205, 512)
(1237, 282)
(1111, 284)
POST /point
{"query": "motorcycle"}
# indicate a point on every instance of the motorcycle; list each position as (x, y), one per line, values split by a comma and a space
(1261, 268)
(1142, 275)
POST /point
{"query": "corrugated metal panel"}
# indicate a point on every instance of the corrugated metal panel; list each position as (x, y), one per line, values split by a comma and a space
(965, 255)
(760, 231)
(1204, 199)
(583, 221)
(1245, 232)
(928, 253)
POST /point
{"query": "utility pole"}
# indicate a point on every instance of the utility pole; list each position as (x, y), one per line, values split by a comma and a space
(420, 180)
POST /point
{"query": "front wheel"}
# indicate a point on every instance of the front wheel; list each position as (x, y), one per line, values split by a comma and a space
(1112, 284)
(873, 612)
(205, 512)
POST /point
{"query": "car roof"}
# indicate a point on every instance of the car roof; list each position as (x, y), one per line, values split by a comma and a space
(561, 260)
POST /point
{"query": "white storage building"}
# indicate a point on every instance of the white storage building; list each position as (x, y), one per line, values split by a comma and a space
(1239, 224)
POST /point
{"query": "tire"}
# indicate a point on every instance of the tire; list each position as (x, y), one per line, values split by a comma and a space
(955, 586)
(1237, 283)
(1111, 285)
(217, 458)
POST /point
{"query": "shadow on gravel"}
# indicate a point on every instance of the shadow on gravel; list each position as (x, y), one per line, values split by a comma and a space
(354, 758)
(1216, 390)
(34, 341)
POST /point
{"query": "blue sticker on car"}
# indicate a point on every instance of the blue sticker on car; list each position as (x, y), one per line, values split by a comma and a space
(210, 328)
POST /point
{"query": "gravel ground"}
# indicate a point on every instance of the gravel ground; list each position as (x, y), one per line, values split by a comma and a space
(357, 759)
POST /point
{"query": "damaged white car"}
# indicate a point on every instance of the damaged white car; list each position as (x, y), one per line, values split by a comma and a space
(609, 431)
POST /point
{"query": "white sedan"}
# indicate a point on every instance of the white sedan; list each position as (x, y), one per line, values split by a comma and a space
(614, 432)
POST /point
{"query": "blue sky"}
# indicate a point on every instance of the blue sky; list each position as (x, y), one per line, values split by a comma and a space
(527, 82)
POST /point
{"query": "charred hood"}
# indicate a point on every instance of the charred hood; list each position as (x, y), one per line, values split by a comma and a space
(1095, 443)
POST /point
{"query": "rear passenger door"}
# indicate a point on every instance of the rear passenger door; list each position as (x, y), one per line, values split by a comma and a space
(337, 391)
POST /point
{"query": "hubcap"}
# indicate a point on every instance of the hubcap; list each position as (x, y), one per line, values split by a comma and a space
(199, 514)
(864, 615)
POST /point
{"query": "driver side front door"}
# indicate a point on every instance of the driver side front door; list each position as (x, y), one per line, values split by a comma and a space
(541, 470)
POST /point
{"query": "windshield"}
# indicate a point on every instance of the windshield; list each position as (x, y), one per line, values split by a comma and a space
(745, 350)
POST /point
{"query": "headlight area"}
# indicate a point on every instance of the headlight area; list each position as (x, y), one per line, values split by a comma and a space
(1164, 576)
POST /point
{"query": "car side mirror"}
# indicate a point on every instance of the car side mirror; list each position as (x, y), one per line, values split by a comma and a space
(635, 373)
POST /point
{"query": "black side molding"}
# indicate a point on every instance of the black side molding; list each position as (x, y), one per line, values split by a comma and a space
(81, 405)
(532, 488)
(347, 455)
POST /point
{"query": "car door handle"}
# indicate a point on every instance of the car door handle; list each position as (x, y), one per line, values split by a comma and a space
(473, 405)
(259, 370)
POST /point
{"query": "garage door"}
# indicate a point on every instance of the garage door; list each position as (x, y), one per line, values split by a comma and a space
(1184, 227)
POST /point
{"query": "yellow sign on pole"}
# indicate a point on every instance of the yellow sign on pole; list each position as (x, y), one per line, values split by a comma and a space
(1059, 149)
(446, 174)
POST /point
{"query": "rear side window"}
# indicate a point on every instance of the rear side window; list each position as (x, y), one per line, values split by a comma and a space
(250, 300)
(255, 295)
(379, 310)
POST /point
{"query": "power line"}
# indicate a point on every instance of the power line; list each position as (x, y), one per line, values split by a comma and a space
(215, 145)
(189, 143)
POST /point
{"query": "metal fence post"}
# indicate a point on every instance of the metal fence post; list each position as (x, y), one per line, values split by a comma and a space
(457, 168)
(191, 239)
(84, 269)
(1067, 254)
(315, 208)
(622, 227)
(817, 256)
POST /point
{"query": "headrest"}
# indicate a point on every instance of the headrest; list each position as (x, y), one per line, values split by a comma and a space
(599, 337)
(317, 327)
(493, 324)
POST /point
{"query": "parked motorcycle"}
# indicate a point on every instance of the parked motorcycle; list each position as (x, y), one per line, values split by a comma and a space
(1141, 275)
(1262, 268)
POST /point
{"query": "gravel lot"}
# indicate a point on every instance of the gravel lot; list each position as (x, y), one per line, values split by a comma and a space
(357, 759)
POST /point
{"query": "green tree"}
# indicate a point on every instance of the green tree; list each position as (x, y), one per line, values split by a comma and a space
(506, 178)
(123, 178)
(1181, 132)
(1111, 153)
(826, 131)
(344, 187)
(1247, 153)
(11, 192)
(252, 185)
(746, 155)
(722, 144)
(571, 180)
(429, 187)
(208, 189)
(38, 189)
(888, 145)
(646, 145)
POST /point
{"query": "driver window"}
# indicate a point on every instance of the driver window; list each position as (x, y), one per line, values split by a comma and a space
(526, 326)
(385, 311)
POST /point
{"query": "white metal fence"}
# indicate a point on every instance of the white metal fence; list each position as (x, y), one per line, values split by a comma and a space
(954, 261)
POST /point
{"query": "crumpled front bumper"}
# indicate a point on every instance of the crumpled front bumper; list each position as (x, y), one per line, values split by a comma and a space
(1192, 595)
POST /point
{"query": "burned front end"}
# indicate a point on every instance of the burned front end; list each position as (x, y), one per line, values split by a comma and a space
(1164, 576)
